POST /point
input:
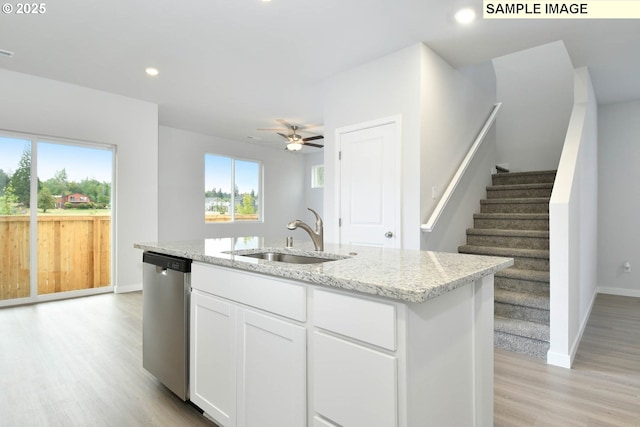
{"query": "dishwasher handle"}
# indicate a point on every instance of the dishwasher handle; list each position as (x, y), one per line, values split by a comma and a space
(163, 261)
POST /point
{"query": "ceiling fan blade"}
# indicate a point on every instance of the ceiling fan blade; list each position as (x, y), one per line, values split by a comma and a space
(285, 123)
(312, 138)
(284, 136)
(313, 145)
(273, 129)
(306, 128)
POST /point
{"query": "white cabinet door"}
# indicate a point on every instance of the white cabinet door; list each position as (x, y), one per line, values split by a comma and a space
(353, 385)
(213, 357)
(272, 372)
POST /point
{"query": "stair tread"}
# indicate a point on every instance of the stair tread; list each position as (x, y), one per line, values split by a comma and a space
(522, 299)
(522, 328)
(522, 274)
(528, 173)
(506, 252)
(515, 200)
(507, 232)
(508, 215)
(519, 186)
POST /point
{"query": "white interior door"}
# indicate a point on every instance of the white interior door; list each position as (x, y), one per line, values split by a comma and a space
(369, 202)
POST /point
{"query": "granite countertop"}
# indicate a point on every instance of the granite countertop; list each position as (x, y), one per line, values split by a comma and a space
(407, 275)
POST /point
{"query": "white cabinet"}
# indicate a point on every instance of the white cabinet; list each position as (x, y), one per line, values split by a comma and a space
(370, 361)
(355, 377)
(212, 373)
(248, 367)
(272, 372)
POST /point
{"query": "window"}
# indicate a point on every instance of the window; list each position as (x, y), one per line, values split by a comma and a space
(317, 176)
(232, 189)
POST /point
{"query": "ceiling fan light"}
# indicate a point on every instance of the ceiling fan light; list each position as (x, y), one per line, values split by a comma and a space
(294, 146)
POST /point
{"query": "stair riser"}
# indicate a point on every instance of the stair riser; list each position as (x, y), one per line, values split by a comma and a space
(514, 207)
(507, 194)
(521, 313)
(521, 345)
(509, 241)
(512, 224)
(524, 263)
(505, 179)
(520, 262)
(519, 285)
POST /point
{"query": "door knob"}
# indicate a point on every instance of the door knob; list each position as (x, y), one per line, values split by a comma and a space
(388, 234)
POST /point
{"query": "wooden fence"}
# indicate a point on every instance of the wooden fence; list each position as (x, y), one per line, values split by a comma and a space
(73, 253)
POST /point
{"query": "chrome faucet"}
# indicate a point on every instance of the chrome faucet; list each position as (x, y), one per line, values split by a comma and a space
(316, 236)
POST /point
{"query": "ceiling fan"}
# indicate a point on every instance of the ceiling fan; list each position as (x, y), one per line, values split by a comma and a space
(295, 141)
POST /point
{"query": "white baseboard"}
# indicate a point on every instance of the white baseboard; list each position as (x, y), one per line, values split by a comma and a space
(558, 359)
(135, 287)
(619, 291)
(566, 360)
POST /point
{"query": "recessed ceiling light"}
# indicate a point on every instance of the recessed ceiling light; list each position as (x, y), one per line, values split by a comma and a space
(152, 71)
(465, 16)
(7, 53)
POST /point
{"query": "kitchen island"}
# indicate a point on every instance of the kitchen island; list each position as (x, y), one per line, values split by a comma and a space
(363, 337)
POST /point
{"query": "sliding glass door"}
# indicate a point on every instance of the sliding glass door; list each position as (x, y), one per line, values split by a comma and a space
(15, 230)
(55, 218)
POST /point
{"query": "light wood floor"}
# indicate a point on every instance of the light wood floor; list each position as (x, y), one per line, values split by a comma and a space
(78, 363)
(601, 389)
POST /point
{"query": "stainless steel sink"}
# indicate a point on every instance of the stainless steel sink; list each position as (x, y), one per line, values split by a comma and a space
(288, 258)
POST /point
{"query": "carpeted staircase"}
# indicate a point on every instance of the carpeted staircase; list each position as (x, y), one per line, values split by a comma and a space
(514, 222)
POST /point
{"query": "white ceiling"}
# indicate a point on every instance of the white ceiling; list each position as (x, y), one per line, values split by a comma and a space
(228, 67)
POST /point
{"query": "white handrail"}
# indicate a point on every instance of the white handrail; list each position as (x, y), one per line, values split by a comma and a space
(442, 203)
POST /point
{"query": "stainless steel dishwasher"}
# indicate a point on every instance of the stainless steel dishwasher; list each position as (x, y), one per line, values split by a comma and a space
(166, 288)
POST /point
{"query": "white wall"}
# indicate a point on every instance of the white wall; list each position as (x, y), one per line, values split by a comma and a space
(181, 188)
(382, 88)
(573, 222)
(441, 110)
(455, 106)
(47, 107)
(619, 202)
(535, 87)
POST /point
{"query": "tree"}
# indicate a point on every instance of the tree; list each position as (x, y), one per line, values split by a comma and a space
(21, 179)
(8, 201)
(4, 181)
(59, 183)
(248, 206)
(46, 200)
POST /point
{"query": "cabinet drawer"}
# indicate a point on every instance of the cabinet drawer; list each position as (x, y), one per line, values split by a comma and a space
(275, 295)
(365, 320)
(353, 385)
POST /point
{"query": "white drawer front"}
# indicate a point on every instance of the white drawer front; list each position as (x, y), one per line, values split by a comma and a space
(275, 295)
(354, 385)
(369, 321)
